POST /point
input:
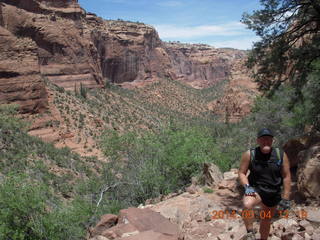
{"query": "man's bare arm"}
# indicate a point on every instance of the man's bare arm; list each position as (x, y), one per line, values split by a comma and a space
(286, 177)
(244, 165)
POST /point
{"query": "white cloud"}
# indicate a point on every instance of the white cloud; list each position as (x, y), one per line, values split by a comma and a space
(239, 43)
(231, 35)
(173, 31)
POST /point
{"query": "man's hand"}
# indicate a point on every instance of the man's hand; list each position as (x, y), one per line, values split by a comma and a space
(284, 204)
(249, 191)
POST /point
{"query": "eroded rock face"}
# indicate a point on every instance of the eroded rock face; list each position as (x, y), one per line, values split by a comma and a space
(43, 40)
(239, 94)
(20, 79)
(200, 65)
(127, 51)
(133, 52)
(63, 8)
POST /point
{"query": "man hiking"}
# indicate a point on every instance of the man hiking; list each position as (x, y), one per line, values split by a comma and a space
(269, 170)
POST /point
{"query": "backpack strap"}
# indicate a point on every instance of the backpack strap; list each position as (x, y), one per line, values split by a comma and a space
(252, 154)
(251, 177)
(279, 156)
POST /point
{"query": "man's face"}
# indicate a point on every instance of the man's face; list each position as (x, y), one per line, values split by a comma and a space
(265, 143)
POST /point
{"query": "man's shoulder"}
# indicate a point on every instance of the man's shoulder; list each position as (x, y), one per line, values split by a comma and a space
(246, 155)
(247, 152)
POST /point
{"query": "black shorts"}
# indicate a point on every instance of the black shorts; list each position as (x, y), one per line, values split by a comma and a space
(270, 198)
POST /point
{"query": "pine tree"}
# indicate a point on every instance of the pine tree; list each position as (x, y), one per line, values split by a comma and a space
(290, 40)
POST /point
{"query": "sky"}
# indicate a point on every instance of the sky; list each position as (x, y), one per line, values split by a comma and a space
(213, 22)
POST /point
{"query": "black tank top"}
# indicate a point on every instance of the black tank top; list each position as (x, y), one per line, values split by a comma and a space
(265, 170)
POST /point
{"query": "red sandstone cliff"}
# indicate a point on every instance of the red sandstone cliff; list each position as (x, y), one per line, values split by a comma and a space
(43, 40)
(199, 65)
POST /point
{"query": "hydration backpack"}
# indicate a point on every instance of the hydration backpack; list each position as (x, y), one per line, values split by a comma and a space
(279, 156)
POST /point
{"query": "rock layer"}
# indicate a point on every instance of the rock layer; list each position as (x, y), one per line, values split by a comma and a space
(201, 65)
(43, 40)
(20, 80)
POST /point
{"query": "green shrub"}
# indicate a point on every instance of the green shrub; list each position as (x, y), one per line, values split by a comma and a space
(83, 91)
(22, 204)
(151, 164)
(307, 111)
(207, 190)
(28, 211)
(20, 152)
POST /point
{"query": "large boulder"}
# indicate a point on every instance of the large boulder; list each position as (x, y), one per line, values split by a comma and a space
(146, 219)
(292, 149)
(308, 172)
(211, 174)
(135, 223)
(106, 221)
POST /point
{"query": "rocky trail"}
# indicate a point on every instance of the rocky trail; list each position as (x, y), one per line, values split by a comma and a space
(199, 215)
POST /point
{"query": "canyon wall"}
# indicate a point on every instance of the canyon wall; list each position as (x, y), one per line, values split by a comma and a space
(58, 41)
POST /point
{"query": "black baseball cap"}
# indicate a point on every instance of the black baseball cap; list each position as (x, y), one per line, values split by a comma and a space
(265, 132)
